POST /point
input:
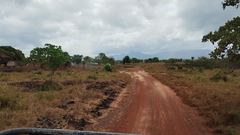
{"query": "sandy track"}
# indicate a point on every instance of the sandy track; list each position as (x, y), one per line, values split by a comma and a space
(154, 109)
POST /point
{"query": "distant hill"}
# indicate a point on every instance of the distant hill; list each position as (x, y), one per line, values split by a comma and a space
(184, 54)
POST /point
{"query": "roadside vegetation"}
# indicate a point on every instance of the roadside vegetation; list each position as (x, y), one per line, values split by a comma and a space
(210, 86)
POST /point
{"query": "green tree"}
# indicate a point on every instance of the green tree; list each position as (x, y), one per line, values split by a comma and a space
(227, 37)
(8, 53)
(51, 56)
(87, 59)
(126, 59)
(234, 3)
(101, 59)
(135, 60)
(155, 59)
(77, 59)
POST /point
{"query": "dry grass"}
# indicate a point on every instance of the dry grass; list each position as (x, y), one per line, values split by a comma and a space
(21, 108)
(218, 100)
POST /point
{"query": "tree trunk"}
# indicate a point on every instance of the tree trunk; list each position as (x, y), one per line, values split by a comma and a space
(51, 74)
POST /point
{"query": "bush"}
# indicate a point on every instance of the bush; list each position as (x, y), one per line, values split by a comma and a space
(37, 72)
(171, 67)
(92, 77)
(217, 76)
(200, 69)
(108, 67)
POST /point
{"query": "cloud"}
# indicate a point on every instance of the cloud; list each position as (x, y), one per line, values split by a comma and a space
(113, 27)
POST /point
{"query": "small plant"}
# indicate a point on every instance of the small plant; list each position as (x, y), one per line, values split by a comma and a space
(224, 78)
(3, 74)
(171, 67)
(200, 69)
(218, 77)
(180, 67)
(108, 67)
(95, 71)
(92, 77)
(69, 72)
(59, 74)
(37, 72)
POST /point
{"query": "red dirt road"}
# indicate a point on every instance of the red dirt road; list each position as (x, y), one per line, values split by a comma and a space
(154, 109)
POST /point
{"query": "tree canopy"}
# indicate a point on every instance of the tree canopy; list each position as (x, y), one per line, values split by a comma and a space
(234, 3)
(227, 37)
(77, 59)
(50, 56)
(126, 59)
(8, 53)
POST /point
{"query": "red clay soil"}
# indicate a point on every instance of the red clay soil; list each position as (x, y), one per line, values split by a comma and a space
(154, 109)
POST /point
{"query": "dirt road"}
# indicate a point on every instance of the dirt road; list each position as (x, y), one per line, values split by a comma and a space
(154, 109)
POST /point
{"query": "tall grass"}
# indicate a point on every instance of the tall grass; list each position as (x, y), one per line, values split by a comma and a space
(21, 108)
(215, 93)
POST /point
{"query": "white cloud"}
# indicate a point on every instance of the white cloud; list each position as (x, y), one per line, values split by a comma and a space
(119, 26)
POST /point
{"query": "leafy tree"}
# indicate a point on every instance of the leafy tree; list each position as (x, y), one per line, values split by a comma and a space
(135, 60)
(227, 37)
(101, 58)
(87, 59)
(8, 53)
(126, 59)
(155, 59)
(234, 3)
(111, 60)
(77, 59)
(51, 56)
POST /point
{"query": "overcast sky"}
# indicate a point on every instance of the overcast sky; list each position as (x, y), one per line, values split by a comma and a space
(89, 27)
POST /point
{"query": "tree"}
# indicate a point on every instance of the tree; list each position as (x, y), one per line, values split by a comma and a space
(77, 59)
(227, 37)
(101, 59)
(126, 59)
(155, 59)
(135, 60)
(8, 53)
(234, 3)
(51, 56)
(87, 59)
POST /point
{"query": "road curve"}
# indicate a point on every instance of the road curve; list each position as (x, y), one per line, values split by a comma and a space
(156, 110)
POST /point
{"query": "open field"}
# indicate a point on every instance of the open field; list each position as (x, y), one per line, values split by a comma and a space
(214, 93)
(73, 101)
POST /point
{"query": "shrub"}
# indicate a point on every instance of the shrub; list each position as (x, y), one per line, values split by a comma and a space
(200, 69)
(217, 76)
(37, 72)
(108, 67)
(92, 77)
(171, 67)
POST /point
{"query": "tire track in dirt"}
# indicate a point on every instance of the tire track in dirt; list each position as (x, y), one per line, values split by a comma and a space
(154, 109)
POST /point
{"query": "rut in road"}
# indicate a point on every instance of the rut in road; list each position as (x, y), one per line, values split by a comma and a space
(156, 110)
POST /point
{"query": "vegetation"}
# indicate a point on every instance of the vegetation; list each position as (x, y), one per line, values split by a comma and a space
(234, 3)
(108, 67)
(77, 59)
(126, 59)
(8, 53)
(227, 37)
(214, 91)
(30, 103)
(51, 57)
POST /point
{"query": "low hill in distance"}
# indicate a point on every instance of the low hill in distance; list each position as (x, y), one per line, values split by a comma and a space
(184, 54)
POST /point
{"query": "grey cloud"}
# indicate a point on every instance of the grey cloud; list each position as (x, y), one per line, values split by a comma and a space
(90, 27)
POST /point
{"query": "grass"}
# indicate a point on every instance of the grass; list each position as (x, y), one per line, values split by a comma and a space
(21, 108)
(214, 93)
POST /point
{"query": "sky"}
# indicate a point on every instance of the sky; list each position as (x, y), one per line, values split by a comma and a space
(89, 27)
